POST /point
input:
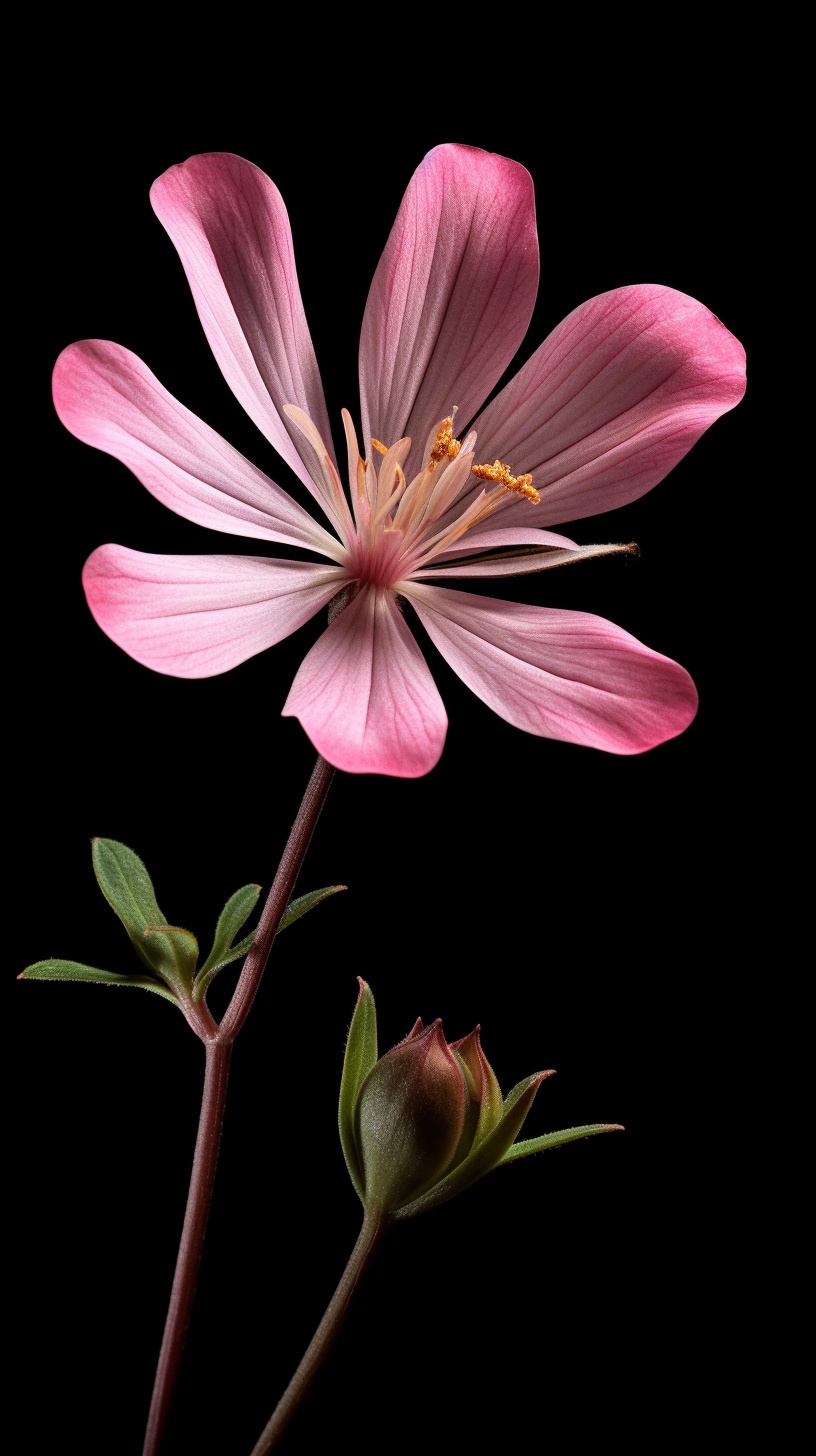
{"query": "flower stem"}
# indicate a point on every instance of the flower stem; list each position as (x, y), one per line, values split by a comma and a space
(199, 1198)
(218, 1046)
(374, 1226)
(277, 899)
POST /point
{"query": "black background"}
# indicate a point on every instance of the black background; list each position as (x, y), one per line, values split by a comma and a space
(580, 907)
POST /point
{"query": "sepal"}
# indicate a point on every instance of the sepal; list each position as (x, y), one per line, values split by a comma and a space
(485, 1155)
(361, 1054)
(557, 1139)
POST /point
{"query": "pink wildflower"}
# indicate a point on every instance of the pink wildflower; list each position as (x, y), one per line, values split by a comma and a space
(444, 488)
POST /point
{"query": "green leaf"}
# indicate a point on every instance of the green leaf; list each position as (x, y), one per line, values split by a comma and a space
(128, 889)
(557, 1139)
(305, 903)
(361, 1055)
(202, 981)
(233, 916)
(74, 971)
(180, 952)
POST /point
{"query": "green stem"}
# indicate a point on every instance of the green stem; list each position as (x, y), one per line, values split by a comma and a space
(374, 1226)
(218, 1045)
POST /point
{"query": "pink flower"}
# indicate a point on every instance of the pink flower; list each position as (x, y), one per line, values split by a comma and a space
(601, 412)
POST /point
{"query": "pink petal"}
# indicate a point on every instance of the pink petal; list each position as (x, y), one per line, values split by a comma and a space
(519, 562)
(232, 232)
(610, 402)
(365, 696)
(107, 397)
(566, 675)
(194, 616)
(502, 537)
(452, 295)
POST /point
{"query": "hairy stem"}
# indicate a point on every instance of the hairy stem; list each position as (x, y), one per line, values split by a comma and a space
(277, 899)
(374, 1226)
(218, 1044)
(199, 1198)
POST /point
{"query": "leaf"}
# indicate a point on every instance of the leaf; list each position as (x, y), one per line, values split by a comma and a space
(176, 957)
(557, 1139)
(128, 889)
(242, 903)
(74, 971)
(305, 903)
(202, 981)
(234, 914)
(360, 1057)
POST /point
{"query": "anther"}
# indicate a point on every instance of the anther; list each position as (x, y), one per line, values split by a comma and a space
(379, 446)
(445, 446)
(500, 473)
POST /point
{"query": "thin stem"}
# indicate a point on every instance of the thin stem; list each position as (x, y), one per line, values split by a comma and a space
(199, 1198)
(374, 1226)
(218, 1041)
(277, 900)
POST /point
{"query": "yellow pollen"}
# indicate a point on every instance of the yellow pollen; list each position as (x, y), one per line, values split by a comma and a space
(379, 446)
(521, 484)
(445, 446)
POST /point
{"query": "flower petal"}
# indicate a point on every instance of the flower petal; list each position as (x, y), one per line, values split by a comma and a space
(107, 397)
(452, 295)
(515, 561)
(195, 616)
(365, 696)
(231, 229)
(612, 400)
(566, 675)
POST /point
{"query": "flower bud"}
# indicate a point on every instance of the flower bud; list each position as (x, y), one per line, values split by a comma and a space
(426, 1120)
(409, 1119)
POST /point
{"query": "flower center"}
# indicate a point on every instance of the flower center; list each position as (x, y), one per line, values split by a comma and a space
(402, 525)
(396, 526)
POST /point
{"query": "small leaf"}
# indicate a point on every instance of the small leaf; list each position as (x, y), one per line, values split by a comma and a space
(202, 980)
(557, 1139)
(74, 971)
(175, 954)
(305, 903)
(128, 889)
(361, 1055)
(233, 916)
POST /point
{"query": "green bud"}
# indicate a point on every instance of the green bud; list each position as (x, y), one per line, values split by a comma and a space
(428, 1119)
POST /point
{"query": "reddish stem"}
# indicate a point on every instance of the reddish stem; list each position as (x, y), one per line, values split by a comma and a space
(374, 1226)
(199, 1198)
(218, 1046)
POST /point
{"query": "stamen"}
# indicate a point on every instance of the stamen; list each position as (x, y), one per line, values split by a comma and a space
(379, 446)
(500, 473)
(445, 446)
